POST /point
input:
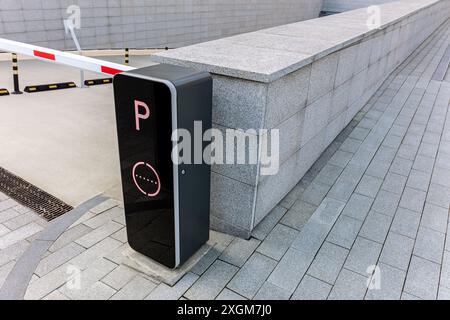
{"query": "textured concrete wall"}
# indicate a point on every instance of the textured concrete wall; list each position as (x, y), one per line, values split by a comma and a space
(145, 23)
(345, 5)
(307, 79)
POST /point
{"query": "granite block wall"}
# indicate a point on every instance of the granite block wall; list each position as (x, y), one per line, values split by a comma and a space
(115, 24)
(308, 80)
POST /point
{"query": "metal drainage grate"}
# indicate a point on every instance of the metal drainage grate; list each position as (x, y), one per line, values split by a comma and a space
(32, 197)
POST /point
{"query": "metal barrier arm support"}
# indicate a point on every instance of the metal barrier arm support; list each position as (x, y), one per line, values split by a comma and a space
(64, 58)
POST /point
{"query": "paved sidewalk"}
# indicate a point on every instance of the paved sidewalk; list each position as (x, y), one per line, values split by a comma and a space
(376, 203)
(18, 227)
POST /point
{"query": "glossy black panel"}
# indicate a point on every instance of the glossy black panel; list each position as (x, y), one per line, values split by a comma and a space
(144, 125)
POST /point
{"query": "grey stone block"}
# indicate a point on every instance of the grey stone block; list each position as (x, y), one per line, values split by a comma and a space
(391, 284)
(328, 263)
(239, 251)
(329, 174)
(228, 295)
(349, 286)
(401, 166)
(369, 186)
(439, 195)
(363, 255)
(430, 245)
(323, 75)
(212, 282)
(58, 258)
(165, 292)
(312, 289)
(406, 223)
(341, 158)
(99, 234)
(269, 222)
(386, 203)
(278, 242)
(315, 193)
(394, 183)
(299, 215)
(358, 207)
(119, 277)
(435, 217)
(252, 275)
(413, 199)
(376, 227)
(419, 180)
(136, 289)
(423, 279)
(287, 96)
(272, 292)
(291, 269)
(397, 251)
(345, 231)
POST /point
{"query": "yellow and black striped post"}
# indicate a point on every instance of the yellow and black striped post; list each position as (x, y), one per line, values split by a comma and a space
(127, 56)
(15, 75)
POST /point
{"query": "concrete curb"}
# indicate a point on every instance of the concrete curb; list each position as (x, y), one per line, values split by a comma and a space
(16, 284)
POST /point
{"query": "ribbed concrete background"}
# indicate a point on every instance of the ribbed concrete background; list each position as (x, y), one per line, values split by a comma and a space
(110, 24)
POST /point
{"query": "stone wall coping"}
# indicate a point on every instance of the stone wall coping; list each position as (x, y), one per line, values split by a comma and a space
(269, 54)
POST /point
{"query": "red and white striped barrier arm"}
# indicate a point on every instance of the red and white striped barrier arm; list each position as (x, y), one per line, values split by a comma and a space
(64, 58)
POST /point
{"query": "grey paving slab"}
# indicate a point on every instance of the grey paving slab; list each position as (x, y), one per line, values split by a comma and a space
(165, 292)
(401, 166)
(19, 235)
(394, 183)
(201, 266)
(278, 242)
(406, 223)
(386, 203)
(13, 252)
(99, 234)
(228, 295)
(8, 214)
(423, 163)
(351, 145)
(341, 158)
(136, 289)
(358, 207)
(119, 277)
(345, 231)
(299, 215)
(312, 289)
(439, 195)
(58, 258)
(423, 279)
(397, 251)
(435, 217)
(69, 236)
(315, 193)
(269, 222)
(445, 271)
(342, 190)
(429, 245)
(349, 286)
(363, 255)
(444, 294)
(376, 227)
(291, 269)
(292, 197)
(252, 275)
(390, 281)
(413, 199)
(212, 282)
(328, 263)
(272, 292)
(369, 186)
(419, 180)
(239, 251)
